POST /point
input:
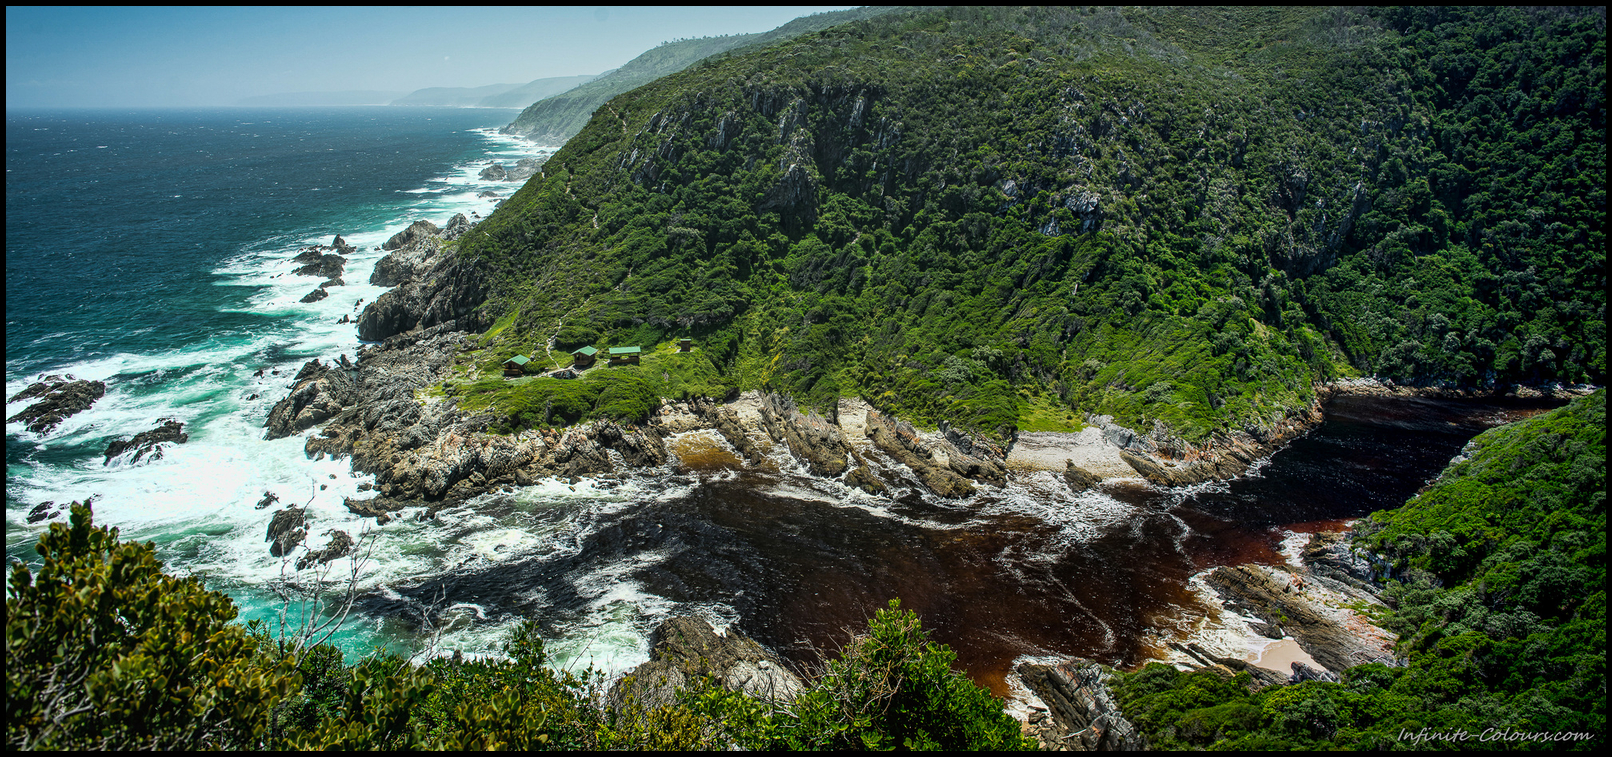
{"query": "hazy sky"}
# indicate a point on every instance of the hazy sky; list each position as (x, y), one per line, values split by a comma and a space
(136, 57)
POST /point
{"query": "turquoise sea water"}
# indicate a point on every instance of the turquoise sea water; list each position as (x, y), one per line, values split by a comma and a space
(150, 249)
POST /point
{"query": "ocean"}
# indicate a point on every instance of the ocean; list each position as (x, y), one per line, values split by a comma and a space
(151, 250)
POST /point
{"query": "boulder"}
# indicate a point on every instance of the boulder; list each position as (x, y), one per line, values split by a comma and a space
(493, 172)
(327, 267)
(340, 545)
(287, 528)
(1078, 478)
(416, 231)
(59, 398)
(315, 296)
(147, 442)
(457, 226)
(683, 649)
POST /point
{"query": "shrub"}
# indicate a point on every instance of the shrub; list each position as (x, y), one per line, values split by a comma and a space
(105, 651)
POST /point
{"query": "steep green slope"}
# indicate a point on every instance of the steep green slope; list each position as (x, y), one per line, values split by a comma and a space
(556, 118)
(1515, 645)
(1184, 218)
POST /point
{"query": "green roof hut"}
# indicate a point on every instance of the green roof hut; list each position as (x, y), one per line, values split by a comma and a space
(516, 366)
(584, 357)
(625, 355)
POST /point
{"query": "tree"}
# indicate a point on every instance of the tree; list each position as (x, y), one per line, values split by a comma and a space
(105, 651)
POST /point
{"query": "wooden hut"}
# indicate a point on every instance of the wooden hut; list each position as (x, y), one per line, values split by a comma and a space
(685, 344)
(516, 366)
(584, 357)
(625, 355)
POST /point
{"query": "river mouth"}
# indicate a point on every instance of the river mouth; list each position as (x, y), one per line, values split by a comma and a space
(800, 564)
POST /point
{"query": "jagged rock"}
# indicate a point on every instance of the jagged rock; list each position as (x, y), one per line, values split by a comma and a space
(341, 246)
(457, 226)
(524, 169)
(493, 172)
(340, 545)
(1084, 714)
(683, 649)
(379, 508)
(1078, 478)
(326, 267)
(416, 231)
(862, 478)
(269, 498)
(1259, 677)
(901, 441)
(449, 292)
(315, 296)
(816, 441)
(1268, 594)
(60, 399)
(146, 442)
(43, 511)
(319, 394)
(408, 261)
(1302, 673)
(287, 529)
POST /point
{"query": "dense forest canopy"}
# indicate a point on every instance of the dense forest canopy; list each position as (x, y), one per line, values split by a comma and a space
(998, 217)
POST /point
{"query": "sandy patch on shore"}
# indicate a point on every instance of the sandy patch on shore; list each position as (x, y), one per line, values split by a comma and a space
(1048, 450)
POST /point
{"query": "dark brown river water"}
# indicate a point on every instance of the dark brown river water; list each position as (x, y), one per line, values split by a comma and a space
(1030, 570)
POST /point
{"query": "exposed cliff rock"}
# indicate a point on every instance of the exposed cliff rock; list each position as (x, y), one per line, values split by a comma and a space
(320, 392)
(60, 397)
(683, 649)
(815, 441)
(1082, 713)
(900, 441)
(449, 292)
(148, 442)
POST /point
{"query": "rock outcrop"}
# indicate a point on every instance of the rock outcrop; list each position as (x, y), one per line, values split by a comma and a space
(148, 442)
(815, 441)
(417, 231)
(1082, 714)
(900, 441)
(1078, 478)
(450, 292)
(493, 172)
(287, 529)
(326, 266)
(1165, 460)
(340, 545)
(524, 169)
(60, 397)
(320, 392)
(1277, 598)
(684, 649)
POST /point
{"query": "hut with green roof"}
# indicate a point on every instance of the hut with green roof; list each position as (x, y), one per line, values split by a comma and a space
(584, 357)
(516, 366)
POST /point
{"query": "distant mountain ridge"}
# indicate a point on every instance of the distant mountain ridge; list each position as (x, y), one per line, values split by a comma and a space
(558, 118)
(495, 95)
(340, 97)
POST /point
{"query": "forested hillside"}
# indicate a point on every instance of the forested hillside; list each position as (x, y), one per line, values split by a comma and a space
(554, 118)
(1183, 218)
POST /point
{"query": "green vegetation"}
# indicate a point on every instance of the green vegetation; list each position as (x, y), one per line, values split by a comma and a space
(105, 651)
(626, 393)
(1182, 216)
(555, 118)
(1501, 609)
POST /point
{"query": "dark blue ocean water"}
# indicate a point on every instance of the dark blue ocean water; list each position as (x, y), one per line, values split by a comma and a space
(150, 250)
(116, 221)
